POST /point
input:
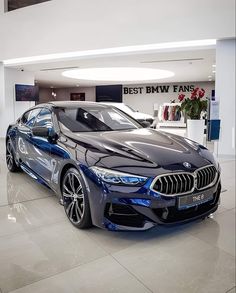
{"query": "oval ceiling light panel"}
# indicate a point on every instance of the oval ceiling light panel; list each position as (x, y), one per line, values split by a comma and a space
(118, 74)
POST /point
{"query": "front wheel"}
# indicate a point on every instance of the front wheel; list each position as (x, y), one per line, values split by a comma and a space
(10, 160)
(75, 199)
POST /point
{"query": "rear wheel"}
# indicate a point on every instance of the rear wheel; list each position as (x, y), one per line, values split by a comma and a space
(10, 160)
(75, 199)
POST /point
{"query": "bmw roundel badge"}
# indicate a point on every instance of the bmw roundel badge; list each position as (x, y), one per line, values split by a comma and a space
(187, 165)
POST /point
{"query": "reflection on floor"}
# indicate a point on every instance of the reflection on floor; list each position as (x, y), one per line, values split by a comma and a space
(41, 252)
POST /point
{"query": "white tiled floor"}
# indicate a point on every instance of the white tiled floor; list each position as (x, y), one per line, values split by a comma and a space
(41, 252)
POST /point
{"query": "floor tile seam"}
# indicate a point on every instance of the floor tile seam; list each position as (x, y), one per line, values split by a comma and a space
(131, 273)
(58, 273)
(59, 220)
(28, 200)
(111, 255)
(214, 246)
(230, 289)
(226, 210)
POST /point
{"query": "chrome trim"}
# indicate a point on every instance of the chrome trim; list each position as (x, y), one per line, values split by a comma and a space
(194, 176)
(146, 226)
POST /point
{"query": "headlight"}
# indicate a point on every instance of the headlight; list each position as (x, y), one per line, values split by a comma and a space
(192, 143)
(216, 163)
(116, 177)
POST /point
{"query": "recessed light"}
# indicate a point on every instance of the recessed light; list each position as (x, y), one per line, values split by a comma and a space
(209, 79)
(77, 85)
(209, 76)
(213, 71)
(213, 65)
(112, 51)
(118, 74)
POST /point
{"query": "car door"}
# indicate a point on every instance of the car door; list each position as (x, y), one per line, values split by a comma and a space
(40, 160)
(23, 138)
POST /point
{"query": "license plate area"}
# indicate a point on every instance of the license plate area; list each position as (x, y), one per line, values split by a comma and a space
(191, 200)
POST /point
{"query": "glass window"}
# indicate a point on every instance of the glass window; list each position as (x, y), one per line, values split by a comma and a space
(94, 118)
(44, 119)
(15, 4)
(29, 117)
(131, 109)
(24, 118)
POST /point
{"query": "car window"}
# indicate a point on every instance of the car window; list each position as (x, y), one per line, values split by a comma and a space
(44, 118)
(131, 109)
(29, 117)
(94, 118)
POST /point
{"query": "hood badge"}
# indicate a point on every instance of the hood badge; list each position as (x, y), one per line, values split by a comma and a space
(187, 165)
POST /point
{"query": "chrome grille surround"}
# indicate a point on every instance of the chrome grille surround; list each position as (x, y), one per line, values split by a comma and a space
(180, 183)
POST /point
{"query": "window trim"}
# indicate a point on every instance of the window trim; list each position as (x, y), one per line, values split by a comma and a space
(28, 111)
(122, 113)
(51, 112)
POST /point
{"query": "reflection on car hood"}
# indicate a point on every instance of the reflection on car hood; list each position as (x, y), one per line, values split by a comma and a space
(145, 148)
(138, 115)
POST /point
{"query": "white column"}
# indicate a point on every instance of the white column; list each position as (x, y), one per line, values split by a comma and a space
(225, 92)
(10, 110)
(2, 92)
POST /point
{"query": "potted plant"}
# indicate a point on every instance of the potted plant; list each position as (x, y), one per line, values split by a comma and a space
(193, 107)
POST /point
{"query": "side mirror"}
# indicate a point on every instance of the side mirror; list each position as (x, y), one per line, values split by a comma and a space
(40, 131)
(145, 124)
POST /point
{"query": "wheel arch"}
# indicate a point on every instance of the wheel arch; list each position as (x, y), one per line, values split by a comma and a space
(64, 169)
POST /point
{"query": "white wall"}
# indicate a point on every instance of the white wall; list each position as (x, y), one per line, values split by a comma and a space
(10, 110)
(63, 94)
(145, 102)
(71, 25)
(225, 92)
(2, 87)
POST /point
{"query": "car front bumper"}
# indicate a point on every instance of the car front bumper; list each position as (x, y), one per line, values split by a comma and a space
(139, 208)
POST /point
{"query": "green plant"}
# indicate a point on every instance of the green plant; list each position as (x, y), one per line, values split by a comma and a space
(194, 105)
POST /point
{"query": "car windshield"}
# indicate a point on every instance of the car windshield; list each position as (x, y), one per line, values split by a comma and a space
(94, 118)
(131, 109)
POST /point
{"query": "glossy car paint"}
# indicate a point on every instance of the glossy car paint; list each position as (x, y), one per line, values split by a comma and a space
(143, 151)
(129, 111)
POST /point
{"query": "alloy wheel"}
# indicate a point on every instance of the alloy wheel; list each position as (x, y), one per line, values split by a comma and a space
(73, 197)
(9, 156)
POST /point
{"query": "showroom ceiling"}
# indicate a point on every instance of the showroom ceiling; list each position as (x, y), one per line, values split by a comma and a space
(195, 65)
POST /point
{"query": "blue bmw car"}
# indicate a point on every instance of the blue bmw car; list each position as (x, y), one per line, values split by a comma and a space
(111, 171)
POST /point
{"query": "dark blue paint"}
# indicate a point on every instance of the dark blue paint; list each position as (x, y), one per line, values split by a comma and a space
(142, 152)
(136, 201)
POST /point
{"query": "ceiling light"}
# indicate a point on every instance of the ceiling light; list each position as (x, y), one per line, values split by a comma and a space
(111, 51)
(213, 65)
(213, 71)
(118, 74)
(209, 76)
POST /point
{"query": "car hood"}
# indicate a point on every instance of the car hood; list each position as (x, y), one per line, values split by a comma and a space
(143, 149)
(139, 115)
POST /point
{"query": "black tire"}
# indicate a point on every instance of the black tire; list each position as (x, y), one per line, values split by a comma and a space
(10, 158)
(75, 199)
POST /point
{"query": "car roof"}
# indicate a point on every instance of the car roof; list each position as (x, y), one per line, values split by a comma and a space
(70, 104)
(112, 103)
